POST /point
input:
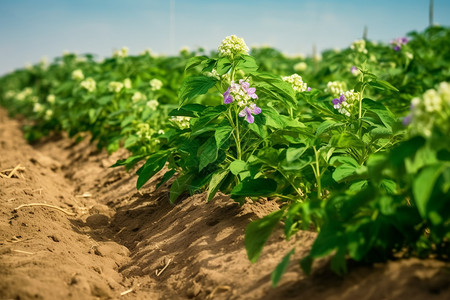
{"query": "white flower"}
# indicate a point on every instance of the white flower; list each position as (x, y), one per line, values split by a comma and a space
(300, 67)
(152, 104)
(184, 49)
(138, 96)
(359, 46)
(10, 94)
(51, 98)
(232, 45)
(336, 88)
(24, 94)
(121, 53)
(156, 84)
(89, 84)
(48, 114)
(431, 111)
(77, 75)
(115, 86)
(182, 122)
(297, 82)
(127, 83)
(37, 108)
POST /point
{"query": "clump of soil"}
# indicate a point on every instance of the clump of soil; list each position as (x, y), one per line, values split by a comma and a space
(73, 228)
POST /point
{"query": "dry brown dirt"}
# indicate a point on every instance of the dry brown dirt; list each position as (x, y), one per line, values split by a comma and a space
(110, 241)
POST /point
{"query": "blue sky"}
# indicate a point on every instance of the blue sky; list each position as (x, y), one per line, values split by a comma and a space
(30, 29)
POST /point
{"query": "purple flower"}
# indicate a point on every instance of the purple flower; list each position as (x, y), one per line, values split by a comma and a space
(248, 111)
(337, 102)
(227, 97)
(308, 89)
(354, 70)
(246, 87)
(399, 42)
(407, 120)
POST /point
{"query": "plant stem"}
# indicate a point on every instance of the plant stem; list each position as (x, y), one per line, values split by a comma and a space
(317, 173)
(238, 141)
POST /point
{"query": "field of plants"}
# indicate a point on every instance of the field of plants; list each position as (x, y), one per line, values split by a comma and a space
(351, 145)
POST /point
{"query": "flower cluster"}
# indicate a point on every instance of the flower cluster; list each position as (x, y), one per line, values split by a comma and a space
(346, 102)
(359, 46)
(181, 122)
(399, 42)
(213, 73)
(355, 71)
(336, 88)
(48, 114)
(115, 86)
(156, 84)
(144, 131)
(243, 94)
(77, 75)
(297, 83)
(38, 108)
(138, 96)
(51, 98)
(88, 84)
(9, 94)
(232, 46)
(127, 83)
(152, 104)
(24, 94)
(300, 67)
(121, 53)
(430, 111)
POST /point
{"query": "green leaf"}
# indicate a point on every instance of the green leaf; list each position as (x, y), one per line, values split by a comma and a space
(207, 153)
(293, 154)
(382, 85)
(327, 126)
(222, 134)
(424, 184)
(202, 124)
(274, 88)
(247, 64)
(152, 166)
(238, 166)
(257, 233)
(281, 268)
(180, 185)
(194, 86)
(129, 162)
(223, 65)
(405, 149)
(188, 110)
(338, 262)
(342, 172)
(380, 110)
(346, 140)
(194, 61)
(166, 177)
(216, 181)
(306, 264)
(340, 160)
(254, 188)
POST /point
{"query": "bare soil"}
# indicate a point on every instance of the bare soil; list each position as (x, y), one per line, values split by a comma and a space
(92, 235)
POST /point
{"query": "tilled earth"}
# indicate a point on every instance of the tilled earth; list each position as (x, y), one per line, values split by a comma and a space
(71, 227)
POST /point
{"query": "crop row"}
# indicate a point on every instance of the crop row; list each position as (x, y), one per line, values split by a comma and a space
(353, 143)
